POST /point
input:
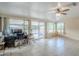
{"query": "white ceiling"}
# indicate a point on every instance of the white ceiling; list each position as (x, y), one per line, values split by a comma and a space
(34, 9)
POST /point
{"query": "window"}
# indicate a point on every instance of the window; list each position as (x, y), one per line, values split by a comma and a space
(41, 29)
(18, 24)
(26, 26)
(38, 29)
(60, 27)
(51, 27)
(35, 30)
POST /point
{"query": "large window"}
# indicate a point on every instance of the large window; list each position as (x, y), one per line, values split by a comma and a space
(60, 27)
(35, 29)
(38, 29)
(26, 26)
(51, 27)
(18, 24)
(41, 29)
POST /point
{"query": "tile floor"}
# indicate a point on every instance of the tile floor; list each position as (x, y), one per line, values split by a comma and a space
(58, 46)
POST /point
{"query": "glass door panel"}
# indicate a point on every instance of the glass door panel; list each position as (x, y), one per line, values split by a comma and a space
(50, 27)
(34, 26)
(38, 29)
(41, 30)
(60, 27)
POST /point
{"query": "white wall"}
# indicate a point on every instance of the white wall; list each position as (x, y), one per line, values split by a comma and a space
(72, 28)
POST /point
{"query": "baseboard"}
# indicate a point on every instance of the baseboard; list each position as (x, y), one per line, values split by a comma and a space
(68, 37)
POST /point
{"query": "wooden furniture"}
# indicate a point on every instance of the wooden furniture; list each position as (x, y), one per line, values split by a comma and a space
(55, 34)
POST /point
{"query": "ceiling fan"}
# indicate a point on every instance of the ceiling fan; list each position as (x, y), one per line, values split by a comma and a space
(60, 9)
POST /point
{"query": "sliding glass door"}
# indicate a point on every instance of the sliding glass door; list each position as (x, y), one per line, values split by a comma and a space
(51, 27)
(41, 30)
(60, 28)
(37, 29)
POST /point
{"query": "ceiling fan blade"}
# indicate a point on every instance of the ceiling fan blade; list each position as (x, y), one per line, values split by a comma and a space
(64, 13)
(65, 10)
